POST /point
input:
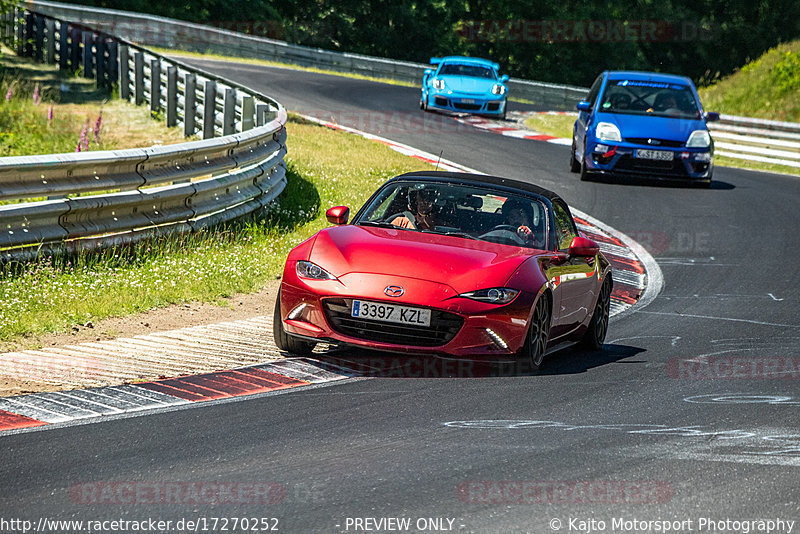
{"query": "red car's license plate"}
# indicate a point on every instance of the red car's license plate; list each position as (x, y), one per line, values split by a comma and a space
(391, 313)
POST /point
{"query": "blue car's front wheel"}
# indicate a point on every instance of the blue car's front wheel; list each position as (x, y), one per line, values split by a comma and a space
(574, 164)
(423, 105)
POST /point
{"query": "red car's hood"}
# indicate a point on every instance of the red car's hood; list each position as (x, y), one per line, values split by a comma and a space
(463, 264)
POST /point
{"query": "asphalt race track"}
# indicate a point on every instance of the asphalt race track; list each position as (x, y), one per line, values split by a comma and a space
(691, 413)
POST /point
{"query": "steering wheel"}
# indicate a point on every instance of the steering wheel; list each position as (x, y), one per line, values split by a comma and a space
(504, 234)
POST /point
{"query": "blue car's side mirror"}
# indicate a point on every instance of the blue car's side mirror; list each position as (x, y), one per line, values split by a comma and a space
(712, 116)
(583, 106)
(504, 78)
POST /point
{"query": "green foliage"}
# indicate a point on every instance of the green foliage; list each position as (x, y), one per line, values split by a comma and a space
(786, 73)
(531, 39)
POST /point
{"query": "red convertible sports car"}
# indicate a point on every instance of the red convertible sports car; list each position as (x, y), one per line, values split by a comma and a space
(449, 263)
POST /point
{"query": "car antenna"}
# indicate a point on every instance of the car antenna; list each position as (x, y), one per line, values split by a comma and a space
(438, 160)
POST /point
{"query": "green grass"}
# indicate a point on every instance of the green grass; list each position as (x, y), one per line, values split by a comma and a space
(556, 125)
(326, 168)
(768, 87)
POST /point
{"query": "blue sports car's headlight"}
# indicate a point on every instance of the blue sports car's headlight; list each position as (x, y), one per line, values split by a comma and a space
(608, 132)
(699, 139)
(306, 269)
(495, 295)
(438, 84)
(498, 89)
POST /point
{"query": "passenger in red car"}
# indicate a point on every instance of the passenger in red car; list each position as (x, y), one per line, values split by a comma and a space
(421, 214)
(520, 215)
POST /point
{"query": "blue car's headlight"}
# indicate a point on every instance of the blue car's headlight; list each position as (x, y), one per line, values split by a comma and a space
(498, 89)
(306, 269)
(438, 84)
(699, 139)
(495, 295)
(608, 132)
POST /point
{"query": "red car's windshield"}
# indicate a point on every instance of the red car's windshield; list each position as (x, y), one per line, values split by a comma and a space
(463, 211)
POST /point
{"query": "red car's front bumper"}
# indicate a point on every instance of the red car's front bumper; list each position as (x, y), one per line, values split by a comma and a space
(487, 329)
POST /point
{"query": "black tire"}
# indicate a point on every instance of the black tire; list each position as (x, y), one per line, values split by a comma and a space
(423, 104)
(283, 340)
(585, 177)
(598, 326)
(574, 165)
(532, 354)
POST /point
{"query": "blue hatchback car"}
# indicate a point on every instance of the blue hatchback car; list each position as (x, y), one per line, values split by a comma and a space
(464, 84)
(643, 123)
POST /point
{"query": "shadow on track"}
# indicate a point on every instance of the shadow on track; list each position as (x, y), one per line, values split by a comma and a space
(649, 181)
(365, 363)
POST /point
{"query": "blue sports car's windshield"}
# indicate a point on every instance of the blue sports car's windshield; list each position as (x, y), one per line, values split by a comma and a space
(473, 71)
(464, 211)
(649, 98)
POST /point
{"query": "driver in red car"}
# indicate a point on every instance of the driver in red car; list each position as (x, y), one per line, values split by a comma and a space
(520, 215)
(421, 214)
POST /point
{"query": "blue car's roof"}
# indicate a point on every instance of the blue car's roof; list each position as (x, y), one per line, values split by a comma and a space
(465, 60)
(648, 76)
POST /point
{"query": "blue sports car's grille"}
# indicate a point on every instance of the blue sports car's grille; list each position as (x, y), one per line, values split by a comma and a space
(444, 326)
(658, 142)
(468, 107)
(673, 167)
(440, 101)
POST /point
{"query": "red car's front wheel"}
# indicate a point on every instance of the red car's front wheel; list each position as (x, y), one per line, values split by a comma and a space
(532, 353)
(283, 340)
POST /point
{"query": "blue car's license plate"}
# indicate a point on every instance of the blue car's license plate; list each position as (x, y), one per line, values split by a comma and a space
(661, 155)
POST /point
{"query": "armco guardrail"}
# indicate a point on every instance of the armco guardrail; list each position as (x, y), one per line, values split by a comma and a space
(760, 140)
(179, 35)
(156, 190)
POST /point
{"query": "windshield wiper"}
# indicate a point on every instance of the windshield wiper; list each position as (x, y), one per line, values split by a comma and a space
(455, 234)
(379, 224)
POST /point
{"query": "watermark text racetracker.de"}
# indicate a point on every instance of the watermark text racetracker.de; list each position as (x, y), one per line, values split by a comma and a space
(586, 525)
(196, 524)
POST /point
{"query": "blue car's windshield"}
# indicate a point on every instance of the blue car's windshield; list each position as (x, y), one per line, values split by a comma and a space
(649, 98)
(474, 71)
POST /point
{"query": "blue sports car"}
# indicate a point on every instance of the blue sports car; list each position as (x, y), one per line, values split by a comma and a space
(643, 123)
(465, 84)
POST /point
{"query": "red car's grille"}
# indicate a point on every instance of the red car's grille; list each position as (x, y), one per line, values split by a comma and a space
(444, 326)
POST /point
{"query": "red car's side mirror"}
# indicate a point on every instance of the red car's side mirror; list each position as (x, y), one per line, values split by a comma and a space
(338, 215)
(582, 246)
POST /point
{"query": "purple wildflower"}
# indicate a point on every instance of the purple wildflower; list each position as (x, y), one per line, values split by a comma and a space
(78, 148)
(84, 140)
(98, 123)
(50, 114)
(36, 94)
(9, 93)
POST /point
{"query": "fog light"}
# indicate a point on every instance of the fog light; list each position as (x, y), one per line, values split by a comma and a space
(297, 312)
(702, 156)
(497, 340)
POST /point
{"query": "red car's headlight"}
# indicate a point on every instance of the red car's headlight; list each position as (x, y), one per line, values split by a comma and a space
(306, 269)
(495, 295)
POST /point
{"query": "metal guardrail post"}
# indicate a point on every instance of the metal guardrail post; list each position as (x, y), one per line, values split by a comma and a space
(87, 54)
(138, 78)
(28, 34)
(209, 109)
(38, 47)
(75, 49)
(63, 46)
(229, 113)
(261, 114)
(113, 63)
(172, 96)
(248, 110)
(20, 24)
(100, 61)
(155, 85)
(189, 103)
(124, 73)
(50, 31)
